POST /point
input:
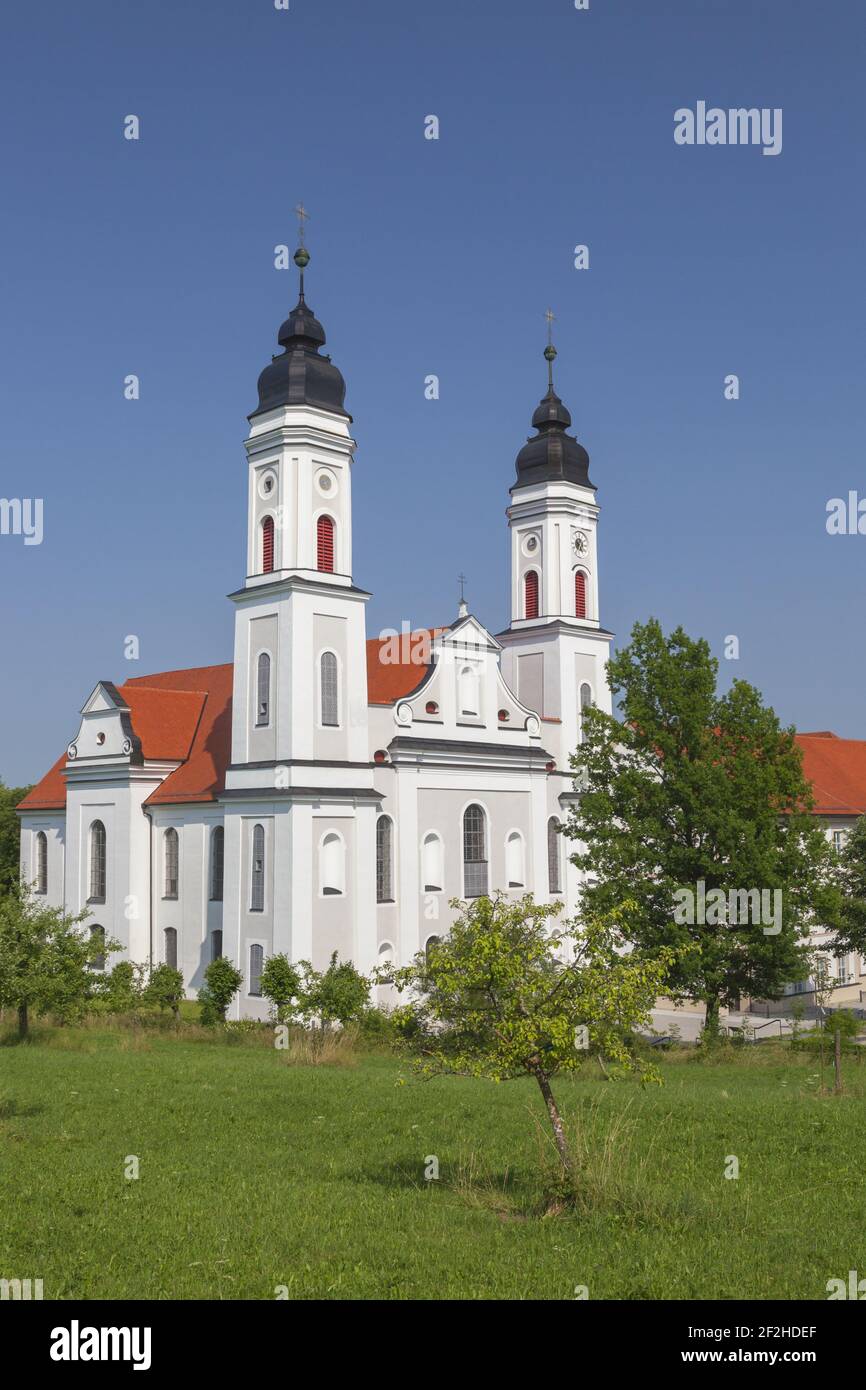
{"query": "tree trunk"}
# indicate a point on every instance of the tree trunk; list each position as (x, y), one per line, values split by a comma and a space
(555, 1118)
(23, 1021)
(711, 1020)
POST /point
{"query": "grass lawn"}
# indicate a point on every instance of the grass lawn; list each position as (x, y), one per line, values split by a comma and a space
(255, 1173)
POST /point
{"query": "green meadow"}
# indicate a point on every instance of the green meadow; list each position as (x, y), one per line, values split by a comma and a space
(260, 1172)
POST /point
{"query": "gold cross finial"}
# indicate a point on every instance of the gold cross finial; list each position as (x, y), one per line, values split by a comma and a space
(302, 218)
(551, 317)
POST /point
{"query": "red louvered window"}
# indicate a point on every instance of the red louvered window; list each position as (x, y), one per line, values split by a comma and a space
(325, 544)
(268, 545)
(530, 594)
(579, 594)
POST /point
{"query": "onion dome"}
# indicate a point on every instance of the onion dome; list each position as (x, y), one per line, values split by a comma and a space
(301, 374)
(551, 455)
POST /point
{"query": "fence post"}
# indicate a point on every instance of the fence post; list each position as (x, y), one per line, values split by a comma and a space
(837, 1060)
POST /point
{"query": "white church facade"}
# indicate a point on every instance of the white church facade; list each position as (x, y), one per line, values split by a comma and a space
(327, 791)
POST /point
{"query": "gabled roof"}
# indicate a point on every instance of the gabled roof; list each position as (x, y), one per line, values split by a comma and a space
(179, 717)
(836, 767)
(393, 665)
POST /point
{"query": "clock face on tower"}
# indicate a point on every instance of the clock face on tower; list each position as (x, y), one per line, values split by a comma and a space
(579, 543)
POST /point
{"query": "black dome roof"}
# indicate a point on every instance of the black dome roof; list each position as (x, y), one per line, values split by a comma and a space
(301, 375)
(551, 455)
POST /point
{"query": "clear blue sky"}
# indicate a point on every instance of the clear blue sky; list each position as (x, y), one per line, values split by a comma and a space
(156, 258)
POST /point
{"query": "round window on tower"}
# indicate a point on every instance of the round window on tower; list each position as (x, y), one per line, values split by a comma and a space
(267, 484)
(530, 545)
(326, 482)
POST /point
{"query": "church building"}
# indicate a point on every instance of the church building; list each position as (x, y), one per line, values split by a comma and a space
(327, 791)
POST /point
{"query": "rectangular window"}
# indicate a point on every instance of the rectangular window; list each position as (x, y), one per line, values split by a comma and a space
(330, 695)
(257, 954)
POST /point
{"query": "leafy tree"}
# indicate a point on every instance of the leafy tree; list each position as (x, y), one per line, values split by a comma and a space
(121, 988)
(222, 982)
(509, 993)
(697, 794)
(46, 961)
(281, 985)
(10, 836)
(852, 865)
(165, 989)
(338, 995)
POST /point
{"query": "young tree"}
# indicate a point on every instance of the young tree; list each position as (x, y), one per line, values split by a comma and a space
(339, 995)
(46, 961)
(281, 985)
(121, 988)
(222, 982)
(852, 874)
(508, 993)
(703, 795)
(10, 836)
(165, 989)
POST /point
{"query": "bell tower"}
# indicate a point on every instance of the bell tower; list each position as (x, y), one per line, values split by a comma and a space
(555, 648)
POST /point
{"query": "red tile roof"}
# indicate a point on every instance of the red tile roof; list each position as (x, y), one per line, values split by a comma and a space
(836, 767)
(180, 717)
(389, 680)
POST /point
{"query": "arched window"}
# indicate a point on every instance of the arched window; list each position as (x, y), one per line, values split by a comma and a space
(579, 594)
(41, 862)
(530, 594)
(170, 858)
(474, 853)
(432, 864)
(217, 862)
(216, 945)
(263, 690)
(257, 960)
(257, 870)
(97, 936)
(554, 877)
(332, 866)
(430, 947)
(268, 545)
(329, 689)
(585, 703)
(325, 544)
(170, 936)
(97, 862)
(384, 872)
(386, 993)
(470, 702)
(515, 869)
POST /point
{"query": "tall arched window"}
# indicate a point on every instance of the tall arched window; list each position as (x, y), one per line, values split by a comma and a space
(268, 545)
(384, 871)
(170, 936)
(97, 862)
(263, 690)
(332, 866)
(530, 594)
(430, 948)
(41, 848)
(97, 936)
(170, 863)
(432, 864)
(329, 690)
(515, 868)
(217, 862)
(257, 960)
(554, 877)
(325, 544)
(470, 688)
(474, 853)
(579, 594)
(585, 703)
(257, 870)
